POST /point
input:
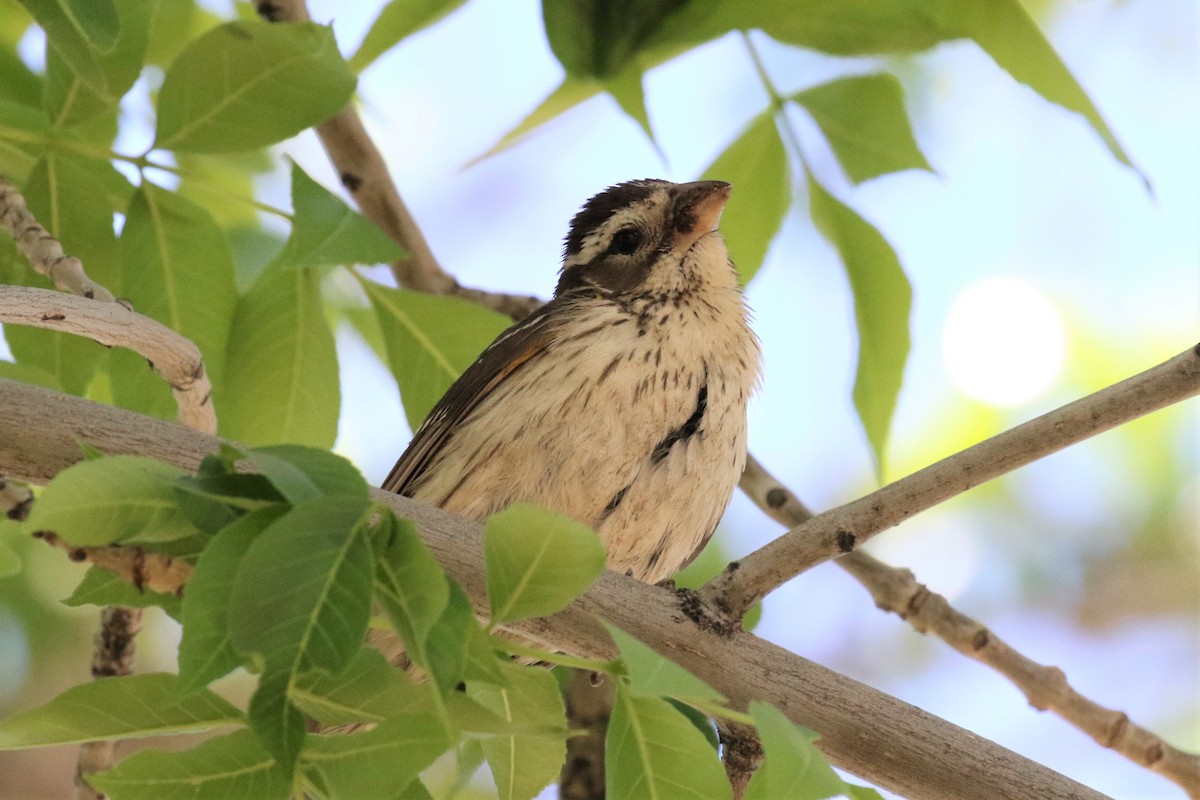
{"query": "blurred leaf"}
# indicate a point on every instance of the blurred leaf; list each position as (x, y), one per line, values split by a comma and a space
(862, 793)
(250, 83)
(792, 767)
(430, 340)
(524, 764)
(177, 23)
(178, 269)
(653, 675)
(597, 38)
(80, 31)
(397, 20)
(654, 751)
(10, 562)
(113, 499)
(626, 88)
(863, 118)
(206, 649)
(379, 762)
(303, 473)
(1006, 32)
(28, 373)
(326, 232)
(756, 165)
(99, 587)
(222, 767)
(368, 690)
(537, 561)
(882, 302)
(570, 93)
(282, 360)
(301, 596)
(410, 585)
(116, 708)
(21, 85)
(69, 99)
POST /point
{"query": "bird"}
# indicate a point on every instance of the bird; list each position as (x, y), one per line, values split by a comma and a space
(622, 401)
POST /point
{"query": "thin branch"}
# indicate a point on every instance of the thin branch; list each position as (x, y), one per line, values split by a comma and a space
(112, 656)
(364, 173)
(43, 251)
(15, 499)
(1046, 688)
(864, 731)
(742, 753)
(839, 531)
(173, 356)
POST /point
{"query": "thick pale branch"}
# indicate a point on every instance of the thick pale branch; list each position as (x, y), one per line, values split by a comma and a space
(173, 356)
(864, 731)
(839, 531)
(364, 173)
(1046, 688)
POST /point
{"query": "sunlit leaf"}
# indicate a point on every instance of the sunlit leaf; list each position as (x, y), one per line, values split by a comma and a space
(882, 302)
(430, 341)
(397, 20)
(116, 499)
(537, 561)
(10, 562)
(223, 767)
(327, 232)
(653, 751)
(792, 767)
(863, 118)
(653, 675)
(23, 138)
(116, 708)
(523, 765)
(283, 363)
(251, 83)
(756, 165)
(411, 586)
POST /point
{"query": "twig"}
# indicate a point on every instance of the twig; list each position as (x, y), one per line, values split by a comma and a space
(1046, 688)
(173, 356)
(839, 531)
(43, 251)
(139, 568)
(864, 731)
(112, 656)
(364, 173)
(742, 753)
(589, 700)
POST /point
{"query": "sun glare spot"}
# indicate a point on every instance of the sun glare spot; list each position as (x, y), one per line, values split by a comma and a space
(1004, 342)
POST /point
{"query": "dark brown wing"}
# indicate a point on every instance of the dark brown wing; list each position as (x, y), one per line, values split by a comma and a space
(513, 348)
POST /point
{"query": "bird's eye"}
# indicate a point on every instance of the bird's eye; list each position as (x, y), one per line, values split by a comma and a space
(625, 241)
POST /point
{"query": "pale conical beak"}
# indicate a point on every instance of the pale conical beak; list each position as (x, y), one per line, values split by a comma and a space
(697, 210)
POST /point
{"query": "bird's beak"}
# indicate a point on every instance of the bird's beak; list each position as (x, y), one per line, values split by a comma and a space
(697, 211)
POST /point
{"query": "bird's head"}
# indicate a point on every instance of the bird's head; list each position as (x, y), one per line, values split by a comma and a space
(648, 237)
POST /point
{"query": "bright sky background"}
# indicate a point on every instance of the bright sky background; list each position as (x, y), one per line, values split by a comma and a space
(1028, 234)
(1030, 250)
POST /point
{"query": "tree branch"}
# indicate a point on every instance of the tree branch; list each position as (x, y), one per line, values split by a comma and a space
(1046, 688)
(837, 532)
(864, 731)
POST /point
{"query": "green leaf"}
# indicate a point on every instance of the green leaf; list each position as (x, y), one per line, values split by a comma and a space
(179, 270)
(398, 20)
(78, 34)
(301, 597)
(792, 767)
(652, 675)
(756, 165)
(568, 94)
(326, 232)
(537, 561)
(1006, 32)
(24, 137)
(524, 764)
(430, 341)
(863, 118)
(29, 373)
(99, 587)
(206, 649)
(282, 360)
(303, 473)
(381, 762)
(116, 708)
(69, 99)
(457, 647)
(223, 767)
(653, 751)
(882, 301)
(21, 84)
(10, 562)
(114, 499)
(410, 584)
(249, 84)
(598, 38)
(862, 793)
(368, 690)
(626, 88)
(275, 720)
